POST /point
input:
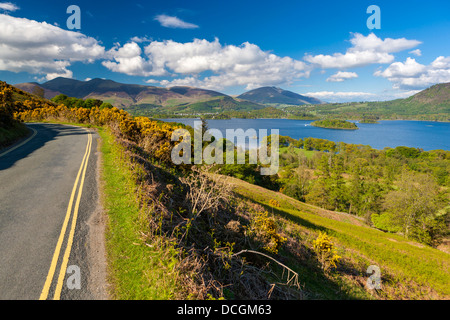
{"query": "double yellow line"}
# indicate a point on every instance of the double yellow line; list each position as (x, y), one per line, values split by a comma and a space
(48, 282)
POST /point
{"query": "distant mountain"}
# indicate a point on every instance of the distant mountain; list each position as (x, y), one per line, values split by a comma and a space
(126, 95)
(36, 89)
(274, 95)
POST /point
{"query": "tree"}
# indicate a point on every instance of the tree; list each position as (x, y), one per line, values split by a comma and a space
(303, 178)
(92, 103)
(413, 207)
(60, 98)
(319, 194)
(106, 105)
(364, 192)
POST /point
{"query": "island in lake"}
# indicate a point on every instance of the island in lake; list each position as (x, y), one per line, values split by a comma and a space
(335, 124)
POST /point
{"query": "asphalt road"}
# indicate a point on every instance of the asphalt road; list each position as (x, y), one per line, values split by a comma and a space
(51, 244)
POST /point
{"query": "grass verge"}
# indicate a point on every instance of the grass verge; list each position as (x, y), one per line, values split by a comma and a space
(140, 266)
(10, 135)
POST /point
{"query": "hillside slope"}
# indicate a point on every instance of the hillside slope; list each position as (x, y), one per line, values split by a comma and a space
(409, 270)
(430, 104)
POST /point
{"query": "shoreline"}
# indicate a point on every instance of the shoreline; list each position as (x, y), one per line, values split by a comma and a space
(198, 117)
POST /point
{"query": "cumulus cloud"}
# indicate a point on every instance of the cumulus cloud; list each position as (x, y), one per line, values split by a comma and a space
(416, 52)
(141, 39)
(341, 76)
(8, 6)
(174, 22)
(151, 81)
(410, 75)
(365, 50)
(228, 65)
(42, 48)
(332, 96)
(402, 70)
(127, 59)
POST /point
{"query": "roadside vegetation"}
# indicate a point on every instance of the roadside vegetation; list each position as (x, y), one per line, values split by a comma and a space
(10, 129)
(310, 232)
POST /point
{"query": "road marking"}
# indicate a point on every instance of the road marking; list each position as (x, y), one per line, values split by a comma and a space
(51, 272)
(19, 145)
(63, 269)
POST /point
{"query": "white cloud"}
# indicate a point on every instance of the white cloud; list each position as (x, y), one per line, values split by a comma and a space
(404, 94)
(8, 6)
(141, 39)
(63, 73)
(229, 65)
(42, 48)
(128, 60)
(365, 50)
(388, 45)
(341, 76)
(151, 81)
(411, 75)
(416, 52)
(174, 22)
(401, 70)
(332, 96)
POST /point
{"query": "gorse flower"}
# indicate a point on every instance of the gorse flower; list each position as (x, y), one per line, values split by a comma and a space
(326, 252)
(273, 203)
(264, 229)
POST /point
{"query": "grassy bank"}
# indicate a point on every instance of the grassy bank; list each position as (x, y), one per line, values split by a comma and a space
(140, 266)
(10, 135)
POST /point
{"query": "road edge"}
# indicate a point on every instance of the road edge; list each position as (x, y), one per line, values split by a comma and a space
(99, 286)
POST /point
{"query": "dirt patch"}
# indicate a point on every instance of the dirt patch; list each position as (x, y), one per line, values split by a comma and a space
(445, 246)
(96, 244)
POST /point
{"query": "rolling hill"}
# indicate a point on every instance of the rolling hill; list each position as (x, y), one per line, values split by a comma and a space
(120, 94)
(274, 95)
(177, 99)
(432, 103)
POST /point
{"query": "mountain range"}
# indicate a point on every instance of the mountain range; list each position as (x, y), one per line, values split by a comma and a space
(432, 103)
(277, 96)
(126, 95)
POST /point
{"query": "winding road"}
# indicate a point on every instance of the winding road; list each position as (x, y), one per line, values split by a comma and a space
(51, 227)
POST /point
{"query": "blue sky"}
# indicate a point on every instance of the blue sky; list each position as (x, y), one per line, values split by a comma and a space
(320, 48)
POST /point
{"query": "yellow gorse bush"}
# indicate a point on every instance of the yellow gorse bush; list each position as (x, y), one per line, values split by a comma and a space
(326, 251)
(264, 229)
(154, 136)
(273, 203)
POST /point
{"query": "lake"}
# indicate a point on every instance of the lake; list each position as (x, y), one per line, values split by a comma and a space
(427, 135)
